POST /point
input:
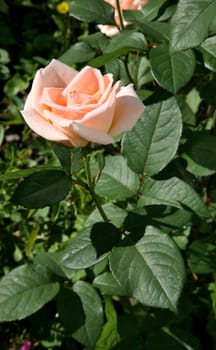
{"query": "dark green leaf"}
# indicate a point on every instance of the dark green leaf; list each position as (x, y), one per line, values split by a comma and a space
(175, 338)
(209, 45)
(49, 261)
(17, 174)
(103, 59)
(89, 247)
(173, 192)
(152, 270)
(97, 41)
(108, 285)
(25, 290)
(151, 9)
(190, 23)
(1, 134)
(79, 52)
(64, 155)
(208, 49)
(109, 336)
(89, 333)
(127, 39)
(157, 31)
(117, 181)
(70, 310)
(115, 214)
(202, 149)
(172, 71)
(202, 257)
(42, 189)
(97, 11)
(154, 139)
(195, 168)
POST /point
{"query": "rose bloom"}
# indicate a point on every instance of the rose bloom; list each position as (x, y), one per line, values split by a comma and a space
(74, 108)
(111, 30)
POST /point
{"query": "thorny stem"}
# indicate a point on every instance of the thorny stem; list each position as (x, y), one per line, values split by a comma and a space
(118, 7)
(91, 189)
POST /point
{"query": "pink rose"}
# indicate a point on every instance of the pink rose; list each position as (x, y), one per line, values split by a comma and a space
(74, 108)
(111, 30)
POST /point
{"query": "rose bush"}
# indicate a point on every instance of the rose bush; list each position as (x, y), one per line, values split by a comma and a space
(111, 30)
(74, 108)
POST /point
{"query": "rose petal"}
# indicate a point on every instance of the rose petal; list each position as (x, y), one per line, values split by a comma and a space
(89, 80)
(127, 112)
(91, 135)
(56, 74)
(101, 117)
(45, 129)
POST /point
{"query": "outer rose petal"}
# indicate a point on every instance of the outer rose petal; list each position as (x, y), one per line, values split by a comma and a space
(127, 112)
(45, 129)
(91, 135)
(56, 74)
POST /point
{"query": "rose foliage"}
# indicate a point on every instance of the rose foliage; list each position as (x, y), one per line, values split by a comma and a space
(124, 125)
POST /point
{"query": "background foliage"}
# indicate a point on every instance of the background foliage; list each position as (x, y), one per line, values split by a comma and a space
(146, 278)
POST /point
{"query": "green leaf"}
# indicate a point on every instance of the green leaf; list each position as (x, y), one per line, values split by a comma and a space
(64, 155)
(106, 58)
(164, 217)
(115, 214)
(97, 11)
(4, 56)
(109, 336)
(97, 41)
(172, 71)
(157, 31)
(108, 285)
(152, 270)
(117, 181)
(209, 45)
(15, 85)
(154, 139)
(70, 310)
(201, 148)
(208, 49)
(174, 338)
(89, 247)
(1, 134)
(195, 168)
(17, 174)
(42, 189)
(202, 257)
(212, 290)
(49, 261)
(151, 9)
(25, 290)
(77, 53)
(173, 192)
(190, 23)
(128, 39)
(89, 333)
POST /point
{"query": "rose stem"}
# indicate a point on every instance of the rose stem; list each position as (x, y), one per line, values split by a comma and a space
(92, 191)
(120, 14)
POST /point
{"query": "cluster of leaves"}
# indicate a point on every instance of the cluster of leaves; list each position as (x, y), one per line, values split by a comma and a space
(133, 266)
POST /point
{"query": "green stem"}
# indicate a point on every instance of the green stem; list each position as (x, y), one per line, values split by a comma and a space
(91, 189)
(127, 69)
(118, 7)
